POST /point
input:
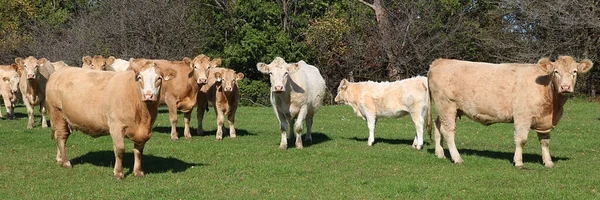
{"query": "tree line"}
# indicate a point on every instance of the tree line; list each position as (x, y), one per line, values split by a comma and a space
(380, 40)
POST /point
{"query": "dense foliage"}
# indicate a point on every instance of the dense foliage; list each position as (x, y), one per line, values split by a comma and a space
(343, 38)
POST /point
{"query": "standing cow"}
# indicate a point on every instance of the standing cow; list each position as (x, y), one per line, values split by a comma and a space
(34, 75)
(529, 95)
(223, 92)
(98, 103)
(297, 92)
(98, 62)
(9, 86)
(370, 100)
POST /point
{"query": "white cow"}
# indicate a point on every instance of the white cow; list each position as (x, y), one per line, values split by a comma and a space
(119, 65)
(297, 92)
(370, 100)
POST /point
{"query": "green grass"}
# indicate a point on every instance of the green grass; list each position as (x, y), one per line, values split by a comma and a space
(338, 165)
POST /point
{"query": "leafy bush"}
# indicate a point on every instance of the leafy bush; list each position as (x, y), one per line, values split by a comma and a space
(254, 93)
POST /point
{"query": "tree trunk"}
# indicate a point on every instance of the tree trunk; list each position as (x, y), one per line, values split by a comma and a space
(383, 25)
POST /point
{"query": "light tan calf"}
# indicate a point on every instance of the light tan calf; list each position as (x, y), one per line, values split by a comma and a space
(98, 103)
(98, 62)
(371, 100)
(181, 92)
(223, 92)
(9, 86)
(34, 75)
(529, 95)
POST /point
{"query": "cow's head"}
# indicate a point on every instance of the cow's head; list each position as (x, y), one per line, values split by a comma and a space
(202, 65)
(97, 63)
(29, 66)
(341, 95)
(278, 71)
(227, 79)
(149, 77)
(11, 78)
(564, 72)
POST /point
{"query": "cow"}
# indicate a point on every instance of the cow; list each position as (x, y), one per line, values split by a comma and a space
(34, 75)
(223, 92)
(181, 92)
(297, 92)
(9, 86)
(98, 103)
(371, 100)
(529, 95)
(118, 65)
(98, 62)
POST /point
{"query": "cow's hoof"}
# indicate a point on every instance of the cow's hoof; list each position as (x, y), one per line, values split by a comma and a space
(418, 147)
(233, 136)
(188, 137)
(174, 138)
(549, 164)
(459, 162)
(119, 176)
(67, 164)
(219, 138)
(283, 147)
(138, 174)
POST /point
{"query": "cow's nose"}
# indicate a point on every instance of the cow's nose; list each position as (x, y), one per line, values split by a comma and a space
(565, 87)
(202, 80)
(228, 88)
(278, 88)
(30, 76)
(148, 96)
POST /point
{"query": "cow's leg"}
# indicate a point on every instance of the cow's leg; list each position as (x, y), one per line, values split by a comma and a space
(116, 133)
(202, 105)
(29, 113)
(173, 119)
(544, 139)
(283, 126)
(447, 128)
(298, 126)
(43, 111)
(418, 119)
(371, 121)
(61, 132)
(439, 150)
(5, 105)
(10, 113)
(186, 120)
(220, 120)
(138, 151)
(308, 136)
(231, 119)
(521, 131)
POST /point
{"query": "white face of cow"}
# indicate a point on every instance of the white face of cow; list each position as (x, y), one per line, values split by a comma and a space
(279, 72)
(29, 66)
(341, 95)
(149, 78)
(11, 78)
(228, 79)
(564, 72)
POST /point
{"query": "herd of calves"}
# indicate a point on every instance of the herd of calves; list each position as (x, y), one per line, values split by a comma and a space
(121, 98)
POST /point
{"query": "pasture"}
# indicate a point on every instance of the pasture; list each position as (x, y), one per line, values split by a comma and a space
(338, 165)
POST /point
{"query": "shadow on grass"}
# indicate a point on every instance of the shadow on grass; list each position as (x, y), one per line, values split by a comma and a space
(193, 131)
(150, 163)
(317, 138)
(508, 156)
(17, 116)
(387, 141)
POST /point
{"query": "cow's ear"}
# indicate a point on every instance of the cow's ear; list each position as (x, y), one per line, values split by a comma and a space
(584, 66)
(239, 76)
(188, 61)
(133, 66)
(6, 79)
(19, 61)
(86, 59)
(42, 61)
(263, 68)
(110, 60)
(169, 74)
(293, 67)
(546, 65)
(15, 67)
(215, 62)
(218, 76)
(344, 84)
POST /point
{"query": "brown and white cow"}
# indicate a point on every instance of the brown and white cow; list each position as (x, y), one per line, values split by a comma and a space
(34, 75)
(98, 103)
(98, 62)
(371, 100)
(223, 92)
(297, 92)
(529, 95)
(181, 92)
(9, 86)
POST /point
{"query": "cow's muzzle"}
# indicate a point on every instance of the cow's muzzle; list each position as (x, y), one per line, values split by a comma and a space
(30, 76)
(149, 97)
(278, 88)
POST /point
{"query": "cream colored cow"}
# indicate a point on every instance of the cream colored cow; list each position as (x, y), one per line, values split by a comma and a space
(9, 87)
(371, 100)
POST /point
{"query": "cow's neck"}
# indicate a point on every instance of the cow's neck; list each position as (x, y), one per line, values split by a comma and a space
(152, 107)
(558, 101)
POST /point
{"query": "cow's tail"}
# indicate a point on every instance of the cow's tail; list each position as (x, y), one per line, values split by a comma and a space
(429, 114)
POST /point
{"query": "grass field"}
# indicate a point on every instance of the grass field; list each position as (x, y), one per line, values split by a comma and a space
(338, 165)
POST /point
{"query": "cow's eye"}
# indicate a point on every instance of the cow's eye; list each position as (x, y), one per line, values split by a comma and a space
(270, 73)
(556, 71)
(138, 78)
(285, 74)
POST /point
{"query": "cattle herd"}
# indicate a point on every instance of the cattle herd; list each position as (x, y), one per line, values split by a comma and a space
(120, 98)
